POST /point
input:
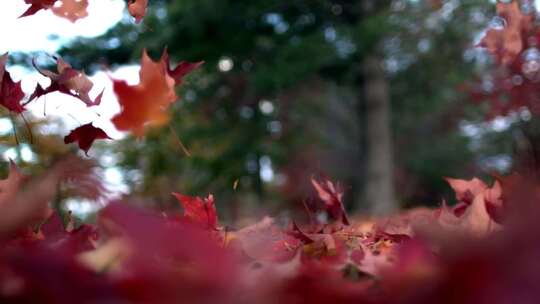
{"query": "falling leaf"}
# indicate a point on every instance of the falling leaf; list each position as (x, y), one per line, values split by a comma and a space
(72, 10)
(36, 6)
(11, 93)
(85, 135)
(68, 81)
(137, 9)
(145, 105)
(182, 69)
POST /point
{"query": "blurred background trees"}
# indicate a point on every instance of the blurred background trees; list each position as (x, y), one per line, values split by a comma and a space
(365, 92)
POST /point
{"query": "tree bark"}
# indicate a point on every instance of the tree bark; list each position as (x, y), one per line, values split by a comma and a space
(379, 194)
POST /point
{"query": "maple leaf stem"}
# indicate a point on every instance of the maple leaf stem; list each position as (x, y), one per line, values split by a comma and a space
(14, 128)
(30, 135)
(26, 102)
(74, 118)
(184, 149)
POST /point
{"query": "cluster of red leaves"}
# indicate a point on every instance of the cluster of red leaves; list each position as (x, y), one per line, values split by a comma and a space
(142, 106)
(68, 81)
(74, 10)
(482, 250)
(513, 42)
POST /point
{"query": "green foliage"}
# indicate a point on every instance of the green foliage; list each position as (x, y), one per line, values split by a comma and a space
(297, 54)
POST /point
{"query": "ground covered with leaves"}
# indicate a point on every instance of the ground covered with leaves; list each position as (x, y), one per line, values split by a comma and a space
(484, 249)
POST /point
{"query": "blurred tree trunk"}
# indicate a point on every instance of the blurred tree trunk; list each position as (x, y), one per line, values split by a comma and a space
(379, 179)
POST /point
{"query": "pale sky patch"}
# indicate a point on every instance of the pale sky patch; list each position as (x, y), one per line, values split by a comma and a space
(33, 33)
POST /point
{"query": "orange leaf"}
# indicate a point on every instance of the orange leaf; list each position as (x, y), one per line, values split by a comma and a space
(145, 104)
(72, 10)
(137, 9)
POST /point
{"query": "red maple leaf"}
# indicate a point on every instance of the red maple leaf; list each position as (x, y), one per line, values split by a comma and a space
(68, 81)
(11, 93)
(72, 10)
(36, 6)
(200, 211)
(85, 135)
(182, 69)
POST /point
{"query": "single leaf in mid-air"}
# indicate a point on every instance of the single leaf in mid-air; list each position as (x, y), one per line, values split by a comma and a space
(36, 6)
(72, 10)
(11, 93)
(182, 68)
(69, 81)
(85, 136)
(137, 9)
(145, 104)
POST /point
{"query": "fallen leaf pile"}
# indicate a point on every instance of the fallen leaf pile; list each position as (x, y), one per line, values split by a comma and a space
(483, 249)
(446, 255)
